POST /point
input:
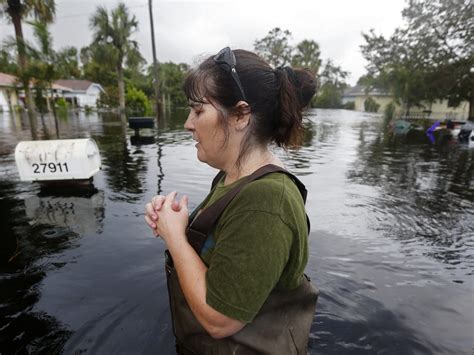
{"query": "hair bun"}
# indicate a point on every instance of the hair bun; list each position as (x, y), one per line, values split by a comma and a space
(305, 84)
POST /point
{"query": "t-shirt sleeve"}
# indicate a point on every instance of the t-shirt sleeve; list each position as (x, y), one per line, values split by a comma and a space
(249, 257)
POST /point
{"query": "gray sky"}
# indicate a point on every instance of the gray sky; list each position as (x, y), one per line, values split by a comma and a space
(185, 30)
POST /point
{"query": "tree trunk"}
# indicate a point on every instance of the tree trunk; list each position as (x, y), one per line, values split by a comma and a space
(48, 104)
(56, 124)
(41, 111)
(471, 106)
(121, 87)
(14, 10)
(155, 66)
(407, 108)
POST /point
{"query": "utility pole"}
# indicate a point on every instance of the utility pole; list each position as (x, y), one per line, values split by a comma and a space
(155, 66)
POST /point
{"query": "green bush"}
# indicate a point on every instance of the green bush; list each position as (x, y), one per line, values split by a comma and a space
(329, 97)
(18, 108)
(87, 109)
(61, 103)
(40, 100)
(137, 102)
(389, 111)
(370, 105)
(109, 98)
(349, 105)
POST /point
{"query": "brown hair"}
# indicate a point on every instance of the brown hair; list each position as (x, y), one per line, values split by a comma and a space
(276, 97)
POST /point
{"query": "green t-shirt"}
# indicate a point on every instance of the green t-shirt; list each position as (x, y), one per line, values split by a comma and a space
(259, 243)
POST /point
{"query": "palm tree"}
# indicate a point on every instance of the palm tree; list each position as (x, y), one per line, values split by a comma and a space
(44, 63)
(114, 30)
(17, 10)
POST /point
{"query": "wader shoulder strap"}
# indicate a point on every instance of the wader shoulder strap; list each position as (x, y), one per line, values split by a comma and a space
(199, 228)
(216, 179)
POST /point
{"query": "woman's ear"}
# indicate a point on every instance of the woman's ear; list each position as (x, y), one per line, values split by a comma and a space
(242, 115)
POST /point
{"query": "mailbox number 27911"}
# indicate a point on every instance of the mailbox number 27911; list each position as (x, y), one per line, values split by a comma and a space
(50, 168)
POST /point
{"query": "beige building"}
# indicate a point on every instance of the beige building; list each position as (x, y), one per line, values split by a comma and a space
(8, 92)
(438, 109)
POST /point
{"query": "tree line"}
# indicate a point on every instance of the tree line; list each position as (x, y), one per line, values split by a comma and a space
(113, 59)
(429, 58)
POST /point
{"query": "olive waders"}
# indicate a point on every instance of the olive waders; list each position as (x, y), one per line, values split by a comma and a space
(283, 323)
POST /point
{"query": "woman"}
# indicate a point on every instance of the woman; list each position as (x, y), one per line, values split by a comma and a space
(235, 267)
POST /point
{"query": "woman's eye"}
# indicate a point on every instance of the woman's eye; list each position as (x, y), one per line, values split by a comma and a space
(196, 111)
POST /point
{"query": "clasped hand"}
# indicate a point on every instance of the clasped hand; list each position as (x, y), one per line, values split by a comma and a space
(167, 217)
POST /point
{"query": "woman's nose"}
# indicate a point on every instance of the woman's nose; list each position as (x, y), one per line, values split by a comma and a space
(188, 125)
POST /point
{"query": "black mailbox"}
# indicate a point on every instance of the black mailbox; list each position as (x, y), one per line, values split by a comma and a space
(141, 122)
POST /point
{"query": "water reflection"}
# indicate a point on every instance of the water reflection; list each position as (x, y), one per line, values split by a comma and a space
(391, 248)
(27, 254)
(427, 190)
(81, 214)
(139, 140)
(319, 136)
(125, 166)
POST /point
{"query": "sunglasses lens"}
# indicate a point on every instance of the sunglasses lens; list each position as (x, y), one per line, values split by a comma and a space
(226, 60)
(225, 56)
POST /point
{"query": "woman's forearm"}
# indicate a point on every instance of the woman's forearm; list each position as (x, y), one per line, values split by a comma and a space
(191, 272)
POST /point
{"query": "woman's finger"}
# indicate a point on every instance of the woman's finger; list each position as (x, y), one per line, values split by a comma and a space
(175, 206)
(150, 212)
(183, 203)
(157, 202)
(170, 198)
(150, 223)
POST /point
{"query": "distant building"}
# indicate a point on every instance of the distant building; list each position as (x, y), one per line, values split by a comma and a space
(359, 93)
(437, 109)
(80, 93)
(8, 92)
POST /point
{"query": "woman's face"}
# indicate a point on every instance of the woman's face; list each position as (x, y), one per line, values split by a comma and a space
(203, 123)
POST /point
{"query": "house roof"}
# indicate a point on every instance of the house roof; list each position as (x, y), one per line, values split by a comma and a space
(360, 90)
(75, 85)
(8, 80)
(56, 86)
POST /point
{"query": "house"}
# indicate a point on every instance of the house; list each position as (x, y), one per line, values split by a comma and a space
(8, 92)
(80, 93)
(438, 109)
(359, 93)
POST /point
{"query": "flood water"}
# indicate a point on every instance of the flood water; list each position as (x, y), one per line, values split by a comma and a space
(391, 247)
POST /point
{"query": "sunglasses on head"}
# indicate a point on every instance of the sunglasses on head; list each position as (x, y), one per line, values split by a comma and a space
(225, 59)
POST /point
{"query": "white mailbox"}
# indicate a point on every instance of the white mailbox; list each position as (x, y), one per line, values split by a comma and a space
(62, 159)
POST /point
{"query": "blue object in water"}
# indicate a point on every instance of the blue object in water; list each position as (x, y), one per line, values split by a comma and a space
(432, 128)
(430, 136)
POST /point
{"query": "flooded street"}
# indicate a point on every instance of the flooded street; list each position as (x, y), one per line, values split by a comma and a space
(391, 247)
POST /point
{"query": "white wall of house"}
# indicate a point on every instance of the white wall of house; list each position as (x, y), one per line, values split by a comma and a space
(381, 100)
(7, 94)
(442, 109)
(439, 109)
(86, 98)
(90, 97)
(3, 100)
